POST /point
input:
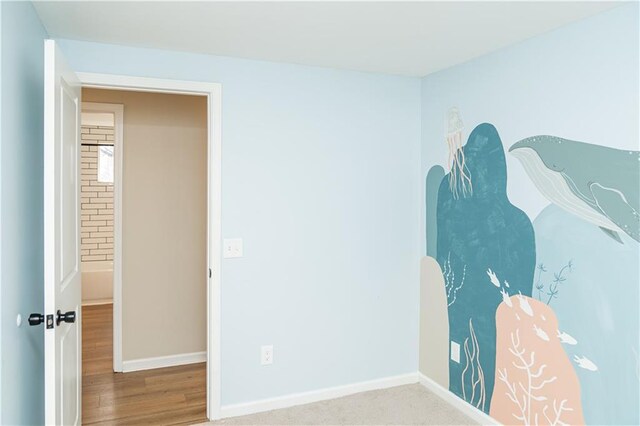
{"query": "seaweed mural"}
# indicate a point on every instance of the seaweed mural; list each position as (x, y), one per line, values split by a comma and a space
(552, 288)
(473, 366)
(450, 285)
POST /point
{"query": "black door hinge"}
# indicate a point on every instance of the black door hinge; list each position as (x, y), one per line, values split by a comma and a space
(209, 272)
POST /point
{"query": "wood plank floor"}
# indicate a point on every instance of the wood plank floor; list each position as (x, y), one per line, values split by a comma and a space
(164, 396)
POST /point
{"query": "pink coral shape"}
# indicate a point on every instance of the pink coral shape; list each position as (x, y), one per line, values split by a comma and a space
(535, 382)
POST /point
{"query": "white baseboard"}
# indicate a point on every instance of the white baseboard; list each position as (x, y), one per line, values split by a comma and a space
(458, 403)
(95, 302)
(163, 361)
(294, 399)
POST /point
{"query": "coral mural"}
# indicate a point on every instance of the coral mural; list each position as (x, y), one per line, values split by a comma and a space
(535, 383)
(597, 307)
(434, 323)
(478, 228)
(598, 184)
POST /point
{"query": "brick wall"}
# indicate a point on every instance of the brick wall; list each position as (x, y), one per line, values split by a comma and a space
(96, 197)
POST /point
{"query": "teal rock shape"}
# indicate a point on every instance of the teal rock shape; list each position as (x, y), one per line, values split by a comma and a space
(432, 186)
(476, 233)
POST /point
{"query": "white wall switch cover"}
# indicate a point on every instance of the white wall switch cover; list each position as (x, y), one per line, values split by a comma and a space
(232, 247)
(266, 355)
(455, 351)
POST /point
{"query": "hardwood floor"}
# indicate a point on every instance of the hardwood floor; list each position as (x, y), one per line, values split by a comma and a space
(164, 396)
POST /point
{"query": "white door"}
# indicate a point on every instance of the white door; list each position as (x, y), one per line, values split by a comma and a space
(62, 296)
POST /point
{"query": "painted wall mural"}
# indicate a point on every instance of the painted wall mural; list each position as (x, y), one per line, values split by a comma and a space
(540, 311)
(478, 230)
(598, 184)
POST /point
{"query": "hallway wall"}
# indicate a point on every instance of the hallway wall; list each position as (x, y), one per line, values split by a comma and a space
(164, 222)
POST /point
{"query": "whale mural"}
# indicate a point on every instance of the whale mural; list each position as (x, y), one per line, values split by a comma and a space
(598, 184)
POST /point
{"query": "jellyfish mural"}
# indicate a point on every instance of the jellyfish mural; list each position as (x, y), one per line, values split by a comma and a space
(459, 178)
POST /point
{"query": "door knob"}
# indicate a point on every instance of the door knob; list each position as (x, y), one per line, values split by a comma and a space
(36, 319)
(69, 317)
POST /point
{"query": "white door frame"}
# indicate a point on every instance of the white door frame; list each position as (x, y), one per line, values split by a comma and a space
(118, 113)
(213, 92)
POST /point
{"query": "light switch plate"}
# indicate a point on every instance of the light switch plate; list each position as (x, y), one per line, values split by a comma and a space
(455, 352)
(232, 247)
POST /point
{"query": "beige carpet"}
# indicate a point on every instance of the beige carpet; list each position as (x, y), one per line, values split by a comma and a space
(402, 405)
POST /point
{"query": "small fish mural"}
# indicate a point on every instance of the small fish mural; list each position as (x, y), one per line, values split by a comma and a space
(585, 363)
(541, 333)
(494, 279)
(505, 297)
(566, 338)
(524, 305)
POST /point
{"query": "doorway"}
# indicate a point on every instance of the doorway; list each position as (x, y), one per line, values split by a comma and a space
(164, 249)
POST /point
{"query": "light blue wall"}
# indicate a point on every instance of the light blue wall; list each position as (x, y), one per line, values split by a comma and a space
(321, 180)
(580, 82)
(1, 209)
(21, 219)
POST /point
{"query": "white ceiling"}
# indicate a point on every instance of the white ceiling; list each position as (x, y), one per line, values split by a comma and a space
(405, 38)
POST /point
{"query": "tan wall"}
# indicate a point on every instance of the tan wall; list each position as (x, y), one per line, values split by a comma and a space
(433, 360)
(164, 222)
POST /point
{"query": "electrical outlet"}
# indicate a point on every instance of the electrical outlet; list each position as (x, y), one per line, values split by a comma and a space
(455, 352)
(232, 247)
(266, 355)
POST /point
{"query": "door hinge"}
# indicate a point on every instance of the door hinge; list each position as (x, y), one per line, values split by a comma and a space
(49, 321)
(209, 272)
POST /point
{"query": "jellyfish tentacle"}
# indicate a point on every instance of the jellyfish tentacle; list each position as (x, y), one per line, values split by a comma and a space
(459, 176)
